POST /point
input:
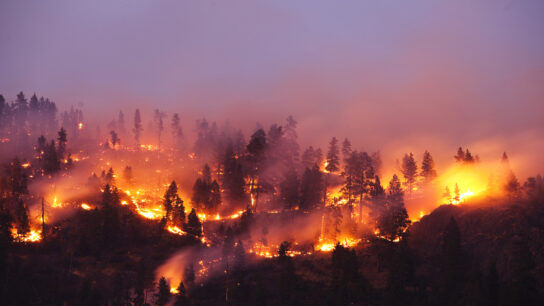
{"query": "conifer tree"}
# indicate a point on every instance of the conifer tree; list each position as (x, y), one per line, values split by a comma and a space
(460, 156)
(137, 130)
(181, 296)
(62, 140)
(193, 225)
(163, 292)
(333, 161)
(409, 171)
(289, 189)
(169, 199)
(428, 171)
(346, 149)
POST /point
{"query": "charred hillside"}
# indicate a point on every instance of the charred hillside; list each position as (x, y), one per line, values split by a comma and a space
(497, 238)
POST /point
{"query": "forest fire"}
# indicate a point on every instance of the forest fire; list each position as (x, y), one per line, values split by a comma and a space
(272, 153)
(328, 246)
(31, 236)
(231, 212)
(176, 230)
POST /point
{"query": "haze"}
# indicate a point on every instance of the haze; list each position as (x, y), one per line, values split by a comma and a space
(387, 74)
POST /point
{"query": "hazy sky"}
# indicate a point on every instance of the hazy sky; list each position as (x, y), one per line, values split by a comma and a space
(379, 72)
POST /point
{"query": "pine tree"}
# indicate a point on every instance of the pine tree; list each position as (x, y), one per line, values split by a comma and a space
(469, 159)
(393, 220)
(181, 296)
(215, 196)
(460, 156)
(308, 158)
(177, 132)
(23, 223)
(291, 144)
(111, 226)
(109, 177)
(51, 158)
(333, 161)
(193, 225)
(346, 149)
(114, 139)
(206, 193)
(169, 199)
(311, 189)
(159, 124)
(256, 149)
(163, 292)
(427, 167)
(137, 130)
(233, 177)
(409, 171)
(62, 140)
(121, 123)
(512, 186)
(289, 189)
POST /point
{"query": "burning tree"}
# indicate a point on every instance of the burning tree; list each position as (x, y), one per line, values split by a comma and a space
(173, 206)
(393, 221)
(206, 193)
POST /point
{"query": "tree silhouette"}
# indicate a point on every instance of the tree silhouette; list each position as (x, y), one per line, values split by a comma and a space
(163, 292)
(428, 171)
(137, 129)
(409, 171)
(193, 225)
(333, 160)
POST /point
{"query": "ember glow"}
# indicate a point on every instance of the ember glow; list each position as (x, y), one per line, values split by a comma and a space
(31, 236)
(86, 206)
(250, 152)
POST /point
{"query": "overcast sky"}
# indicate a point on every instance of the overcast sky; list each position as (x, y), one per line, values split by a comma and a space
(379, 72)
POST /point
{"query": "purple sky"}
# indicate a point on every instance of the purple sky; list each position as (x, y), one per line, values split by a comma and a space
(379, 72)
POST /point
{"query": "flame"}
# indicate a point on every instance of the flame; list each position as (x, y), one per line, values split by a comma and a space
(271, 251)
(470, 180)
(56, 204)
(86, 206)
(32, 236)
(329, 245)
(25, 165)
(150, 214)
(149, 147)
(324, 166)
(462, 197)
(80, 126)
(176, 230)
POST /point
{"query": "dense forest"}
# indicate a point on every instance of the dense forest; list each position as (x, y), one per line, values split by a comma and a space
(174, 212)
